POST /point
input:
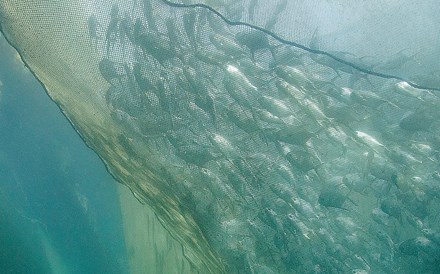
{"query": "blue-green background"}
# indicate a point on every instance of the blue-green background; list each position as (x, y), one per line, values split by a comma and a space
(52, 187)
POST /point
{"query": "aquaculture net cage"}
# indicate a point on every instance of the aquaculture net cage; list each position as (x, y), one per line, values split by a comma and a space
(268, 136)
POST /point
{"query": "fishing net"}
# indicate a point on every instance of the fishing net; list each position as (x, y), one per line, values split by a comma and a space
(268, 137)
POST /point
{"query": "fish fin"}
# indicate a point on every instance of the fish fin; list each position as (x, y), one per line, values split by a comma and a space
(367, 165)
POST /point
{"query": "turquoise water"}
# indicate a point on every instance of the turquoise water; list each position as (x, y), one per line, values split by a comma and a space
(59, 209)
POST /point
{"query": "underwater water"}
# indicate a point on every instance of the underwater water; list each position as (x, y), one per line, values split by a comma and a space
(281, 137)
(59, 206)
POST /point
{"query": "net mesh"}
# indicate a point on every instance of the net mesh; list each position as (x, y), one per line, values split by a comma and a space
(268, 137)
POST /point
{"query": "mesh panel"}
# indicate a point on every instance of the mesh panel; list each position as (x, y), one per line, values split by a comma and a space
(388, 37)
(260, 155)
